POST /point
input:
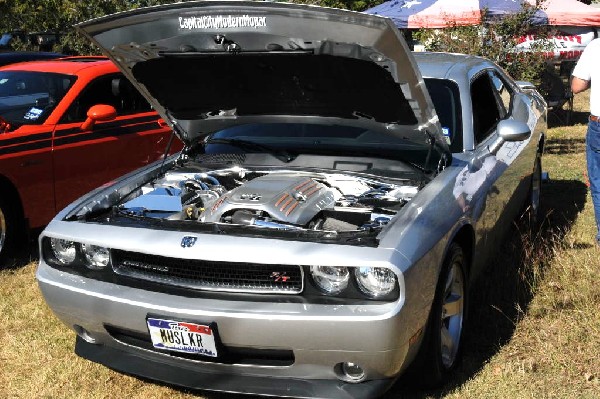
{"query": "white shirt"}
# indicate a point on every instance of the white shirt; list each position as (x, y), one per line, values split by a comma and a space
(588, 68)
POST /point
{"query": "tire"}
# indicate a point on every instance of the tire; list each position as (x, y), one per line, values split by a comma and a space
(8, 230)
(533, 204)
(441, 348)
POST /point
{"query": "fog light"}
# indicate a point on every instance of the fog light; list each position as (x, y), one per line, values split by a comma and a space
(353, 372)
(64, 250)
(96, 257)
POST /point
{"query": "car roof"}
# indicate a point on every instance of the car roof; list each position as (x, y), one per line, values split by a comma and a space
(10, 57)
(451, 66)
(66, 65)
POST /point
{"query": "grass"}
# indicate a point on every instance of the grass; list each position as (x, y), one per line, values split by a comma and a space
(534, 322)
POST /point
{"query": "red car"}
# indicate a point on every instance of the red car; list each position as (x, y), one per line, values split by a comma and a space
(67, 126)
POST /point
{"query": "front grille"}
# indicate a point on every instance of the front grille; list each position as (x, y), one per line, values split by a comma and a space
(209, 275)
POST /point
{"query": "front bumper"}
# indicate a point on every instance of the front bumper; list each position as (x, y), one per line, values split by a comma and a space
(320, 337)
(202, 378)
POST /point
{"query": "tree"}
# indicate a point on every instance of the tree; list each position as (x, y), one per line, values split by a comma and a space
(497, 40)
(59, 16)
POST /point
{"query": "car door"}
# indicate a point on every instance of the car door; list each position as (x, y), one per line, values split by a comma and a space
(518, 155)
(27, 98)
(500, 174)
(87, 158)
(26, 162)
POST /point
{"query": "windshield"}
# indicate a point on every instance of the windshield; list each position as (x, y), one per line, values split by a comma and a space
(305, 138)
(27, 98)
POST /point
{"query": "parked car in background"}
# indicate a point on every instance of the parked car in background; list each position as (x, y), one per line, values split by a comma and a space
(66, 127)
(11, 57)
(319, 232)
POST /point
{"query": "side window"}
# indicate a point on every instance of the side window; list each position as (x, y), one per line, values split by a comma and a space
(503, 91)
(112, 90)
(486, 113)
(446, 101)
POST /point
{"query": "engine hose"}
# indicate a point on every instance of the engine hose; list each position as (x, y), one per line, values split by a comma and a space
(197, 184)
(212, 179)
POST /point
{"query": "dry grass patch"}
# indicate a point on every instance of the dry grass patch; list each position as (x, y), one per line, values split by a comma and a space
(37, 351)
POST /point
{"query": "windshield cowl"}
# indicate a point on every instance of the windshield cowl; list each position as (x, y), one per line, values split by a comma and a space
(296, 144)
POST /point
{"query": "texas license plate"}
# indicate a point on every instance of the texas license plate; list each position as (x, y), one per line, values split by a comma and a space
(182, 336)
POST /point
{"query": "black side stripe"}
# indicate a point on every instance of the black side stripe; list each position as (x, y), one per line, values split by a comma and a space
(26, 147)
(66, 132)
(25, 139)
(44, 140)
(115, 132)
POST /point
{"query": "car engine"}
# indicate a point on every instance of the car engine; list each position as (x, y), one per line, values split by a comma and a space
(284, 200)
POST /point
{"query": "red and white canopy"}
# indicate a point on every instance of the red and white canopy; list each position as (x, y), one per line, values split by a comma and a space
(443, 13)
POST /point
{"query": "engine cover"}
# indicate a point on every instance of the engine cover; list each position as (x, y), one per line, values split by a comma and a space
(293, 199)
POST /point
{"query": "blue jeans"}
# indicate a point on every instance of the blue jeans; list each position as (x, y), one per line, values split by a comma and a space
(593, 165)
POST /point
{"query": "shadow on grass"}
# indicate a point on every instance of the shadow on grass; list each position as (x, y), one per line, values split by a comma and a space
(25, 253)
(565, 146)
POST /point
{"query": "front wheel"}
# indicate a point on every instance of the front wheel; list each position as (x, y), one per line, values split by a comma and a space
(441, 347)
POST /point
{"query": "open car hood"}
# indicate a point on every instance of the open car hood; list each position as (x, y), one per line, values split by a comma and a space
(209, 65)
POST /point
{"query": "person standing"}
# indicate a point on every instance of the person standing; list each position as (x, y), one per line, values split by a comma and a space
(586, 71)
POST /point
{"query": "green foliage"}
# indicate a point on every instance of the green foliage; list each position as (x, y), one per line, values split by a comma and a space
(496, 40)
(493, 39)
(59, 16)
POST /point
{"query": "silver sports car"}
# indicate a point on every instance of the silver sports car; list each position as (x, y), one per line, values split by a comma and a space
(318, 234)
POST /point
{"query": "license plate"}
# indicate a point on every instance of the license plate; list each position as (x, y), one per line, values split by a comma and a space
(182, 336)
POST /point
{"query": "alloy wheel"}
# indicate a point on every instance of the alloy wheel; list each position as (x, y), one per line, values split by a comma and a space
(452, 315)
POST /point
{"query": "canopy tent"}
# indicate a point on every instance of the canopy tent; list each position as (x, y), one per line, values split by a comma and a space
(442, 13)
(571, 13)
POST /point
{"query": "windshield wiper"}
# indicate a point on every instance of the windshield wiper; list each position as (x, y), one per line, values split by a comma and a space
(280, 154)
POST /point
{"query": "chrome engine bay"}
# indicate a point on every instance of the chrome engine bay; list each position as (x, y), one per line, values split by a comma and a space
(284, 200)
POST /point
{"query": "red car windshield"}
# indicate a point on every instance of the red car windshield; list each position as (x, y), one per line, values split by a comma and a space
(27, 98)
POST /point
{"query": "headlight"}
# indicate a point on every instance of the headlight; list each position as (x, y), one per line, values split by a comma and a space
(64, 251)
(330, 279)
(76, 255)
(375, 281)
(96, 257)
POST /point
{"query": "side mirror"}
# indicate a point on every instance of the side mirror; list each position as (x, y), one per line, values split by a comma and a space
(99, 113)
(510, 130)
(524, 85)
